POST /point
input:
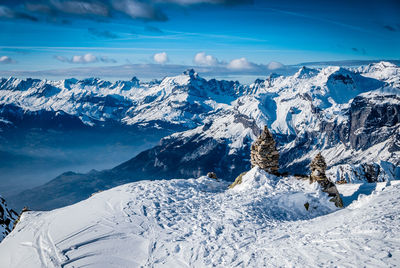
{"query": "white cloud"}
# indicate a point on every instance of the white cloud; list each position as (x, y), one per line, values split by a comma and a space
(61, 58)
(146, 71)
(273, 65)
(202, 59)
(87, 58)
(161, 58)
(6, 59)
(240, 64)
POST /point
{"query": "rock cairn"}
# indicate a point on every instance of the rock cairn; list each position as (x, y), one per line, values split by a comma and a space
(318, 168)
(264, 153)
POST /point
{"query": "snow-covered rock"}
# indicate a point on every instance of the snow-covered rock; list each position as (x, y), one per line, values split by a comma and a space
(7, 219)
(200, 223)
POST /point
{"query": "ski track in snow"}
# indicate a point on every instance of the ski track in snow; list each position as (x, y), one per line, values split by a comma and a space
(198, 223)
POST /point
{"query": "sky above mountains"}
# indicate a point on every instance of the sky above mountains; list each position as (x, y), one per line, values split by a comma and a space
(160, 37)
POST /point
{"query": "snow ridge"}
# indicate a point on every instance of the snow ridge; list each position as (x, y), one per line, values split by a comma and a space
(199, 222)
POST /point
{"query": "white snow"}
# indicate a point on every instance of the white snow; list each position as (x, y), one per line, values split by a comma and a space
(200, 223)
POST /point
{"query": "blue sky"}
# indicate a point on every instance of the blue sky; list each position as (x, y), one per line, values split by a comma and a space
(237, 37)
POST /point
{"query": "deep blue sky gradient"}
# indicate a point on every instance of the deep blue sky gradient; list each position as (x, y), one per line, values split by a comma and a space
(289, 32)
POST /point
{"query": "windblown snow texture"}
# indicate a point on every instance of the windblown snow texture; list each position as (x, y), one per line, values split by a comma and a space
(199, 222)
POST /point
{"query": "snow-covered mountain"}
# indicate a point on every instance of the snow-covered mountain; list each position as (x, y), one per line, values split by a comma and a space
(262, 222)
(48, 127)
(353, 119)
(179, 101)
(351, 115)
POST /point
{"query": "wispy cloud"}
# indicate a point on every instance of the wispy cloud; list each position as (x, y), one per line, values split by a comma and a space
(215, 2)
(57, 10)
(152, 29)
(139, 10)
(8, 13)
(359, 50)
(84, 59)
(102, 33)
(390, 28)
(147, 71)
(316, 18)
(6, 60)
(106, 59)
(274, 65)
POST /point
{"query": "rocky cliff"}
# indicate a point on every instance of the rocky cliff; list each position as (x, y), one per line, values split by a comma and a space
(7, 218)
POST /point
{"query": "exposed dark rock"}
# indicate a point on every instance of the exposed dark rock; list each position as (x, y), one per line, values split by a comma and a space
(7, 219)
(371, 172)
(212, 175)
(373, 120)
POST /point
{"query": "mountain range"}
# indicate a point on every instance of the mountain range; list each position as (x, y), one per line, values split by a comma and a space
(351, 115)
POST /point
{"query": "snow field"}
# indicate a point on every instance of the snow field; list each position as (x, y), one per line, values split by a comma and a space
(199, 223)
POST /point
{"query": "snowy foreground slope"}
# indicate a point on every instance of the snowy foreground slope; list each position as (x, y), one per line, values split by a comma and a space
(198, 222)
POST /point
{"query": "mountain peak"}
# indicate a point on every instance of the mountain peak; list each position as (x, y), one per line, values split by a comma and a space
(191, 72)
(385, 64)
(305, 72)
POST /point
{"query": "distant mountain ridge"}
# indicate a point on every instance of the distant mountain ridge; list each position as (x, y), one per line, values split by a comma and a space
(351, 115)
(179, 100)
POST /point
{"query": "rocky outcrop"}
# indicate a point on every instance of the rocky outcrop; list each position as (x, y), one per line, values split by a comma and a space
(264, 153)
(318, 168)
(238, 180)
(373, 119)
(7, 219)
(365, 172)
(212, 175)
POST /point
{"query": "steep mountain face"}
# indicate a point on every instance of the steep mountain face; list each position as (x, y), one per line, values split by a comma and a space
(350, 115)
(351, 118)
(7, 219)
(373, 119)
(221, 146)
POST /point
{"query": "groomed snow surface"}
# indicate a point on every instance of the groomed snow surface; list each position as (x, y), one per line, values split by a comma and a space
(200, 223)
